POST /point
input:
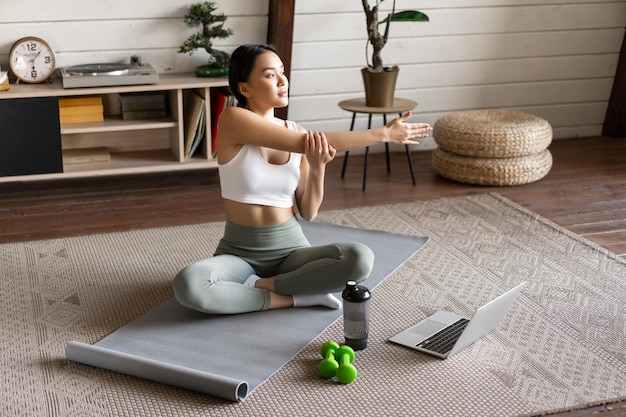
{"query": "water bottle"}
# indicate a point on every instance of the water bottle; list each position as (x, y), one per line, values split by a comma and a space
(356, 315)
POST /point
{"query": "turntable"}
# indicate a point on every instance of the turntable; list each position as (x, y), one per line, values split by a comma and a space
(105, 75)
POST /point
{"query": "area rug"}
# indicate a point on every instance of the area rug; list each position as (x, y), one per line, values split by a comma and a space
(222, 355)
(561, 346)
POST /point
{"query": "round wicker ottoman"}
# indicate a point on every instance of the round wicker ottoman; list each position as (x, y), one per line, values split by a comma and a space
(492, 133)
(492, 171)
(492, 147)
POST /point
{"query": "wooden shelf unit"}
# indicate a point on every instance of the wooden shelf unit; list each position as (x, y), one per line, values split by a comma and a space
(135, 146)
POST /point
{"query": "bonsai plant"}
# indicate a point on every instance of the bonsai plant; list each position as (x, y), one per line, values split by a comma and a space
(380, 81)
(203, 14)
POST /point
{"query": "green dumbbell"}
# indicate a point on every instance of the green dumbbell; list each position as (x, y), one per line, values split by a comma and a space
(346, 373)
(329, 365)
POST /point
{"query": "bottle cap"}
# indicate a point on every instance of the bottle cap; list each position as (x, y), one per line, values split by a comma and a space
(355, 293)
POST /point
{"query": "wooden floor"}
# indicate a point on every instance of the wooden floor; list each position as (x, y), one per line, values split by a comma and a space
(585, 192)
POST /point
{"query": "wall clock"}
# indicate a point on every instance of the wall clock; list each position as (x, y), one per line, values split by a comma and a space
(32, 60)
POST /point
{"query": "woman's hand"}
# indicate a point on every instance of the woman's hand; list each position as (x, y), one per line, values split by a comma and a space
(318, 151)
(399, 131)
(310, 191)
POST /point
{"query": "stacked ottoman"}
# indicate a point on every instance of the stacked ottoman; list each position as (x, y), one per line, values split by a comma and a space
(492, 147)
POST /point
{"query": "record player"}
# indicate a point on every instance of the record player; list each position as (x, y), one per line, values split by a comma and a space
(105, 75)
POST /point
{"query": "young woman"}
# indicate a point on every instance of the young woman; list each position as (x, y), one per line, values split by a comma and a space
(269, 170)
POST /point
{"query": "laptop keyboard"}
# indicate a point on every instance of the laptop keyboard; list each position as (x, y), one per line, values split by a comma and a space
(443, 341)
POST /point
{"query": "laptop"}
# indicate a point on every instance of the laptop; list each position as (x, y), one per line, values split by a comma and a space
(443, 334)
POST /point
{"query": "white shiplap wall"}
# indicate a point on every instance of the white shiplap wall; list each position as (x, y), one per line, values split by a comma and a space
(84, 32)
(552, 58)
(555, 59)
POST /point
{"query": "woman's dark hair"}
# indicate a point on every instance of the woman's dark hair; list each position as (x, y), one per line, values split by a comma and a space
(241, 63)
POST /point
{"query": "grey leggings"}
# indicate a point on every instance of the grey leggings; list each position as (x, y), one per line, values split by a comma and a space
(214, 285)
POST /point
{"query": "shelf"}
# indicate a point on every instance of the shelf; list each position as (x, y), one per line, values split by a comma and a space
(121, 164)
(135, 146)
(118, 125)
(166, 82)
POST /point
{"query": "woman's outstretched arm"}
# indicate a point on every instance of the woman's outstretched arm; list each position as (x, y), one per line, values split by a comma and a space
(238, 126)
(398, 130)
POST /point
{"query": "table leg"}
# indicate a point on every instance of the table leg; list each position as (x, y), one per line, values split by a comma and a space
(387, 153)
(367, 151)
(386, 146)
(345, 162)
(345, 158)
(408, 156)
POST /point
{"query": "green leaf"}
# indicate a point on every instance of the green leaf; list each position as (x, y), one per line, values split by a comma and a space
(406, 16)
(409, 16)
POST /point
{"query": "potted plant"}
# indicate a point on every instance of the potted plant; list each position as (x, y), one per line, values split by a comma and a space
(380, 81)
(203, 14)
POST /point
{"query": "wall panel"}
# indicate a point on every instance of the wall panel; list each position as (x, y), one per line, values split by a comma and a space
(461, 73)
(467, 21)
(556, 59)
(111, 31)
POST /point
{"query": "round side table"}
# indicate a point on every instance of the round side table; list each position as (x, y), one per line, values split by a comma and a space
(357, 105)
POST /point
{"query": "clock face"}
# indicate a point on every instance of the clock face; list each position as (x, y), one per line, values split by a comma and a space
(32, 60)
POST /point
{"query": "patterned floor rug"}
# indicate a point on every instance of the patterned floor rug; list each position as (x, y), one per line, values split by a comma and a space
(562, 345)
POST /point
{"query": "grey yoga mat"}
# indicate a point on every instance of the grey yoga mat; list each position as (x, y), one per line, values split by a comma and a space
(230, 356)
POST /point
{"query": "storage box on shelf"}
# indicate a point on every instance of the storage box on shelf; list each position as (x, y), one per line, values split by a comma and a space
(136, 145)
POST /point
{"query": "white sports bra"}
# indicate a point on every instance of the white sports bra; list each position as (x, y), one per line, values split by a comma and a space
(248, 178)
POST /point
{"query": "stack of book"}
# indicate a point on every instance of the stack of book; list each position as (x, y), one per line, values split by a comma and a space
(196, 117)
(4, 81)
(220, 99)
(195, 122)
(84, 109)
(143, 105)
(86, 156)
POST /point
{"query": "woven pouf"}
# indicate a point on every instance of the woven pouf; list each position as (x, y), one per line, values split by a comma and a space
(492, 147)
(492, 171)
(492, 133)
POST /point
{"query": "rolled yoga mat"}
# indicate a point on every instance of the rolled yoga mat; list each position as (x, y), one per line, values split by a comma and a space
(229, 356)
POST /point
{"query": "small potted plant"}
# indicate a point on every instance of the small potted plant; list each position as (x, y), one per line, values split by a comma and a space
(203, 14)
(380, 81)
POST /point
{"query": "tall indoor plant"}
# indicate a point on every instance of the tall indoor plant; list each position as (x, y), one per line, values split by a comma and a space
(380, 81)
(203, 14)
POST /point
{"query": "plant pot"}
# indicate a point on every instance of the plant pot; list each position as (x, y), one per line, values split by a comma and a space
(208, 71)
(380, 87)
(217, 65)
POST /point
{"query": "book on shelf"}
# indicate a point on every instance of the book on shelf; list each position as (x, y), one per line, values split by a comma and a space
(199, 134)
(80, 101)
(149, 105)
(83, 109)
(86, 156)
(195, 107)
(75, 110)
(4, 81)
(143, 114)
(144, 105)
(220, 99)
(143, 97)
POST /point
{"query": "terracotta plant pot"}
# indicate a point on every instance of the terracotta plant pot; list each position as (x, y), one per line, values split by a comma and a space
(380, 87)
